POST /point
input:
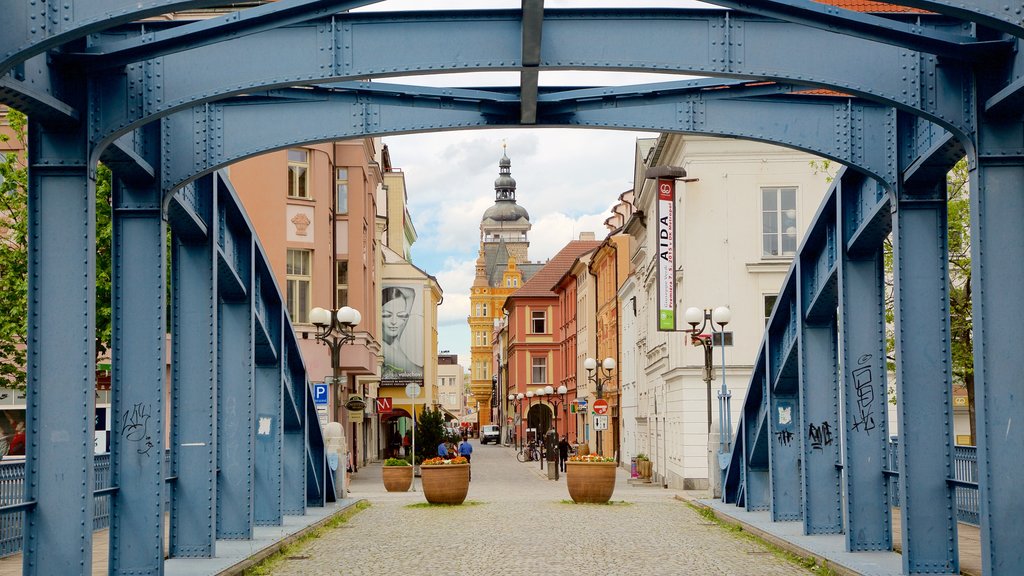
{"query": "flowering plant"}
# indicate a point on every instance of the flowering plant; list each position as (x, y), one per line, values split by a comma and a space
(591, 458)
(439, 461)
(396, 462)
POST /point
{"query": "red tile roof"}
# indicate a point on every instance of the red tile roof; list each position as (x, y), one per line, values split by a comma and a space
(870, 6)
(547, 277)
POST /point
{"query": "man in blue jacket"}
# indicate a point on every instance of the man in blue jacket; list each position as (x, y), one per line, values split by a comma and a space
(442, 449)
(466, 449)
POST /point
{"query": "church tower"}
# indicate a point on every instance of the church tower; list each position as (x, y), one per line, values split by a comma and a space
(502, 266)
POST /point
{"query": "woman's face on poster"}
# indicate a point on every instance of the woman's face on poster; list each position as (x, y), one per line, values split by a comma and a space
(394, 316)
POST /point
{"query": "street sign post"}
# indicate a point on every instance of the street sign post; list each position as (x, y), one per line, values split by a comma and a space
(600, 422)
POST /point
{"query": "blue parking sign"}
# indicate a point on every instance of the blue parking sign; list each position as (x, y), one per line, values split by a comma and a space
(319, 393)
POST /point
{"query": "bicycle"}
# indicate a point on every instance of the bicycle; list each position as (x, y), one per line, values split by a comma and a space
(528, 453)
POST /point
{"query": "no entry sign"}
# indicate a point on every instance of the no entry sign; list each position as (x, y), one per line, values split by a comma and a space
(600, 407)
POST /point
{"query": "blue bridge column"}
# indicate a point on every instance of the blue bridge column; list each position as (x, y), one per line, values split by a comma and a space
(997, 236)
(61, 358)
(269, 431)
(865, 394)
(293, 450)
(138, 381)
(819, 405)
(194, 381)
(923, 380)
(236, 420)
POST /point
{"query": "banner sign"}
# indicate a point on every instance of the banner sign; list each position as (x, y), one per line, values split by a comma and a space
(666, 254)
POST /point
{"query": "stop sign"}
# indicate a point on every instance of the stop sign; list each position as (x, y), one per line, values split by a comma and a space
(600, 407)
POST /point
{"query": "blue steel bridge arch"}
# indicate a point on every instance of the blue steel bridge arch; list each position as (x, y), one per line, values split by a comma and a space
(948, 80)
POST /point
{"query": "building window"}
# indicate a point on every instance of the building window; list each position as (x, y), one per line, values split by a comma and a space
(769, 303)
(538, 322)
(298, 173)
(539, 371)
(341, 280)
(778, 221)
(341, 188)
(300, 278)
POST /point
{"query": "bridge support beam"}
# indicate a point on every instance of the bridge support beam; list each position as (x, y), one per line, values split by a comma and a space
(819, 407)
(269, 487)
(997, 236)
(60, 405)
(784, 446)
(194, 390)
(923, 381)
(865, 394)
(138, 381)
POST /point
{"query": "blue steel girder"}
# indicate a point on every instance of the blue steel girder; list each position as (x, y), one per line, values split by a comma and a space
(171, 36)
(998, 14)
(31, 28)
(713, 43)
(210, 136)
(899, 29)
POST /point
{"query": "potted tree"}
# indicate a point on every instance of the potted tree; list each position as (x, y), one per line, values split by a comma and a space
(590, 478)
(445, 481)
(397, 475)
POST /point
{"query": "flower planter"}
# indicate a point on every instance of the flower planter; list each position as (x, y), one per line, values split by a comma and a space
(643, 468)
(590, 482)
(445, 483)
(397, 478)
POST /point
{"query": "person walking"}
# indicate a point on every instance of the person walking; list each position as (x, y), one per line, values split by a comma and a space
(563, 453)
(466, 449)
(442, 449)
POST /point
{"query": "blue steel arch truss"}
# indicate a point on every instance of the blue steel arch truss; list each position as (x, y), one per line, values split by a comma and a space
(165, 104)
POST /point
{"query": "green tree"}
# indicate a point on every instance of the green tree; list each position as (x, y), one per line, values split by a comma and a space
(14, 255)
(958, 210)
(429, 433)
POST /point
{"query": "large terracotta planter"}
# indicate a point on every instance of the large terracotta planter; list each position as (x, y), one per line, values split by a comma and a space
(397, 478)
(590, 482)
(446, 483)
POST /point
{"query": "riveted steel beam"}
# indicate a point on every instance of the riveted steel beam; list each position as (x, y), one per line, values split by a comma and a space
(533, 21)
(355, 46)
(206, 32)
(31, 28)
(1007, 16)
(911, 35)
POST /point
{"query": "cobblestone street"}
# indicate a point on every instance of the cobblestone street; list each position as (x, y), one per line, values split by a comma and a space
(516, 521)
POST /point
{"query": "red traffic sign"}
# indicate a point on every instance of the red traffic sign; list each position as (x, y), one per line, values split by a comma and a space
(601, 407)
(383, 405)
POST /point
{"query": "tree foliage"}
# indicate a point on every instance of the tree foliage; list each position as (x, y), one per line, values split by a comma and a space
(429, 433)
(959, 262)
(14, 255)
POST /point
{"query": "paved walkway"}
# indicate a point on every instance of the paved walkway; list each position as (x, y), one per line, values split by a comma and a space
(522, 523)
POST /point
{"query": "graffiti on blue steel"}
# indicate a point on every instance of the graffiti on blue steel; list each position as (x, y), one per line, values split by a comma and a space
(864, 418)
(135, 427)
(820, 436)
(785, 424)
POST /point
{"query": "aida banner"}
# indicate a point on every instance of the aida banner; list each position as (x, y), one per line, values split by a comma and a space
(666, 255)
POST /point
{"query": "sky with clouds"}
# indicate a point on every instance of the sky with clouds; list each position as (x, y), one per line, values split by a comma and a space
(567, 179)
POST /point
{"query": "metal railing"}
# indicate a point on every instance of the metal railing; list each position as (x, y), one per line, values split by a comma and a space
(12, 493)
(965, 465)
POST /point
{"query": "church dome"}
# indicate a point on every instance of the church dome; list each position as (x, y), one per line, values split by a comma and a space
(506, 211)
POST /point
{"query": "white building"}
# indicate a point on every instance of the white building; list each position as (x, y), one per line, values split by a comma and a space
(739, 218)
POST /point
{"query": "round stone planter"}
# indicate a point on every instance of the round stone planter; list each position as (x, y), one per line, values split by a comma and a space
(397, 478)
(446, 483)
(590, 482)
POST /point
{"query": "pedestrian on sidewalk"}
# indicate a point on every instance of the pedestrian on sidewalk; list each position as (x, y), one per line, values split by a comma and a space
(442, 449)
(563, 452)
(466, 450)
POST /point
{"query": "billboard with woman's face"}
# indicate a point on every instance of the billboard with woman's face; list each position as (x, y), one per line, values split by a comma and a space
(402, 332)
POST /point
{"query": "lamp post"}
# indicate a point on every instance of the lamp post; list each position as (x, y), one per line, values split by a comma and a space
(540, 394)
(721, 316)
(526, 417)
(515, 400)
(558, 401)
(334, 329)
(600, 376)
